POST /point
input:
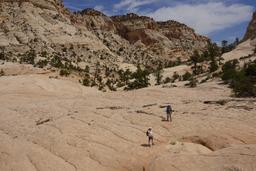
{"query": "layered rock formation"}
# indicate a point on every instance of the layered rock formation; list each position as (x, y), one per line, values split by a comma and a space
(46, 26)
(90, 36)
(95, 20)
(148, 41)
(167, 39)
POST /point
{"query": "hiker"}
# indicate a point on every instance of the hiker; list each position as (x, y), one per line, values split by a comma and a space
(169, 113)
(150, 137)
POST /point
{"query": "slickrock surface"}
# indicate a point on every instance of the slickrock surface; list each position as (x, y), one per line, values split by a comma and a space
(50, 124)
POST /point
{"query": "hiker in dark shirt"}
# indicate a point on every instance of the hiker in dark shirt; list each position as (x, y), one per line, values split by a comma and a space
(169, 113)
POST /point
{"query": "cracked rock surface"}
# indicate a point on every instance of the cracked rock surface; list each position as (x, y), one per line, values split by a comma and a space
(84, 129)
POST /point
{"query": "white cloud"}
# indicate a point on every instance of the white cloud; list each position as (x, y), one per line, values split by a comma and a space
(205, 18)
(99, 7)
(132, 5)
(102, 9)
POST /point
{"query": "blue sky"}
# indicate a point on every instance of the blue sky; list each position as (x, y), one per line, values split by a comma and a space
(217, 19)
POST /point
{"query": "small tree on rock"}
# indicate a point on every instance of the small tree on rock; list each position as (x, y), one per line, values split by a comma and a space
(192, 83)
(158, 74)
(2, 73)
(141, 79)
(196, 58)
(28, 57)
(187, 76)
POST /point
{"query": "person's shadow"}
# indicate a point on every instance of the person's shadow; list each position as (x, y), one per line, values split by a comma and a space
(145, 145)
(164, 119)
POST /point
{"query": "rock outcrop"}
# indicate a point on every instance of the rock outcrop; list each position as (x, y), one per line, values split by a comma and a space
(169, 39)
(95, 20)
(251, 29)
(90, 36)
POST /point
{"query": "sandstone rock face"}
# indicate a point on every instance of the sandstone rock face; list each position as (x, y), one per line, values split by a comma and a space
(95, 20)
(133, 27)
(169, 39)
(46, 26)
(251, 29)
(90, 36)
(184, 38)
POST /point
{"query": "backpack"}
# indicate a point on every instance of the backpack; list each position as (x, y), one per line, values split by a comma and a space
(169, 109)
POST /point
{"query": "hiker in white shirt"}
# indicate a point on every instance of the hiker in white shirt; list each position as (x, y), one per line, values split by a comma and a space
(150, 137)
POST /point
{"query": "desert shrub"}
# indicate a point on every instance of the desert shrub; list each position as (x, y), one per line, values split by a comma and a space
(99, 79)
(87, 69)
(212, 55)
(158, 74)
(167, 80)
(41, 63)
(227, 47)
(101, 87)
(244, 87)
(2, 56)
(213, 66)
(64, 49)
(178, 61)
(69, 65)
(44, 54)
(229, 70)
(242, 81)
(65, 72)
(2, 73)
(250, 70)
(121, 49)
(56, 62)
(97, 73)
(93, 83)
(110, 85)
(141, 79)
(107, 71)
(125, 76)
(120, 84)
(175, 76)
(192, 82)
(196, 59)
(28, 57)
(86, 81)
(173, 63)
(187, 76)
(79, 59)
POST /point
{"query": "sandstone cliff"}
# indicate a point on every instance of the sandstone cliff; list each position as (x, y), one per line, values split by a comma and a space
(251, 29)
(90, 36)
(169, 39)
